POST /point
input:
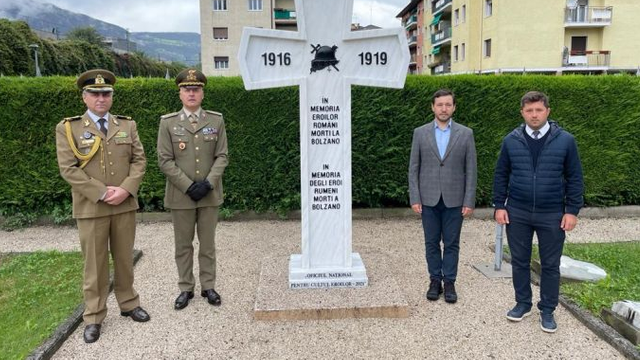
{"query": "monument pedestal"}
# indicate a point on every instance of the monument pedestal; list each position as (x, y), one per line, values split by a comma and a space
(330, 277)
(382, 298)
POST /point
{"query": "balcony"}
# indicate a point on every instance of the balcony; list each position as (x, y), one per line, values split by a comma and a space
(284, 16)
(412, 40)
(413, 60)
(587, 16)
(440, 5)
(441, 37)
(600, 58)
(411, 23)
(442, 68)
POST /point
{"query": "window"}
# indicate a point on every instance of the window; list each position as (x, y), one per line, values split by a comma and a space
(455, 53)
(464, 13)
(487, 48)
(456, 17)
(221, 62)
(255, 5)
(219, 5)
(221, 33)
(462, 51)
(488, 7)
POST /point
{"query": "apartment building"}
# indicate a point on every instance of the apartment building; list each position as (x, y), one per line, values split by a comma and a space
(221, 24)
(412, 18)
(542, 36)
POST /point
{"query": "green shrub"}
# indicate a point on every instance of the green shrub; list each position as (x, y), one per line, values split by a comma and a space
(263, 129)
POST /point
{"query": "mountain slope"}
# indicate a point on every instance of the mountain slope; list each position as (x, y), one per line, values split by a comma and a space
(182, 47)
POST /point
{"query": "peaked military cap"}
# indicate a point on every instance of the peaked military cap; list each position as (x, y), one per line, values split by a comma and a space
(191, 77)
(97, 80)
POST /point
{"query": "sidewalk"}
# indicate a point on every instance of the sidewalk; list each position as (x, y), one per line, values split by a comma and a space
(474, 328)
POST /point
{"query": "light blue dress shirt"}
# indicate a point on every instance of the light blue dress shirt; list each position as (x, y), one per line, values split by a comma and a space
(442, 137)
(95, 119)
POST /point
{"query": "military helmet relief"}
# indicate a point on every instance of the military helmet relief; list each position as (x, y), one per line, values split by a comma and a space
(325, 57)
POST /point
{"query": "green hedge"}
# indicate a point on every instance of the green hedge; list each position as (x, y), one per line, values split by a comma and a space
(264, 174)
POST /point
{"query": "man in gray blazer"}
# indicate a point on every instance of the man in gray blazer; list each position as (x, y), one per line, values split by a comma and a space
(442, 187)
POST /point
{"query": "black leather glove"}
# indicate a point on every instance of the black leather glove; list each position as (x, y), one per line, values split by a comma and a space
(199, 190)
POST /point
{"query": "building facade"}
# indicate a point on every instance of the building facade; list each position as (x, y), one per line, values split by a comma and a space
(221, 24)
(412, 18)
(543, 36)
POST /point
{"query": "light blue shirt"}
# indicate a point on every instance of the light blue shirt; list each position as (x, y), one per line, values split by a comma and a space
(442, 138)
(95, 119)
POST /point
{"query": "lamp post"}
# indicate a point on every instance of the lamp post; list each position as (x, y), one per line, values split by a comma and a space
(35, 48)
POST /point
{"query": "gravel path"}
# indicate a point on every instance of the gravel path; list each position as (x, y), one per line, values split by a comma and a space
(474, 328)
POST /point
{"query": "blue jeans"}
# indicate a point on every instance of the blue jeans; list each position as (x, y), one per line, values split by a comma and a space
(442, 224)
(520, 229)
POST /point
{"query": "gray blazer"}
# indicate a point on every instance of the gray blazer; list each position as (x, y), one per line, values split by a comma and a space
(453, 177)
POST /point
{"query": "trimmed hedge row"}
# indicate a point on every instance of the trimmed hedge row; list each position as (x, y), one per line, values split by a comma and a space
(263, 129)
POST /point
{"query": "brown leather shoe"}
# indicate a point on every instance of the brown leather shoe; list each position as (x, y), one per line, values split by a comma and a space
(212, 297)
(183, 300)
(92, 333)
(137, 314)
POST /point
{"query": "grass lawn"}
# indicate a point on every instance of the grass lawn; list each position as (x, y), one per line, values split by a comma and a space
(621, 261)
(38, 291)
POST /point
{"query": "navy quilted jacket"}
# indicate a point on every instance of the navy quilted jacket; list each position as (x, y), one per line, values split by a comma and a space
(554, 185)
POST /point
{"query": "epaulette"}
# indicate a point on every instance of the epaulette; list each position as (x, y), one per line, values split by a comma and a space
(122, 117)
(214, 112)
(72, 118)
(169, 115)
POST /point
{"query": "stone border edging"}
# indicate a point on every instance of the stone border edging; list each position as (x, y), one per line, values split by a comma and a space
(617, 212)
(64, 330)
(596, 325)
(600, 328)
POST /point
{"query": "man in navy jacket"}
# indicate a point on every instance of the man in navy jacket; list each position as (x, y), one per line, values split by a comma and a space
(537, 188)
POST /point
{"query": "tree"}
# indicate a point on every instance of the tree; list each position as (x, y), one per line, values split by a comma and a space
(88, 34)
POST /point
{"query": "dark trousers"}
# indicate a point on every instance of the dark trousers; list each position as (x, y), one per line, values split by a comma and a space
(520, 229)
(442, 224)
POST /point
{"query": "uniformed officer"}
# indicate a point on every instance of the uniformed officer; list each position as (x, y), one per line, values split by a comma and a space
(101, 157)
(192, 153)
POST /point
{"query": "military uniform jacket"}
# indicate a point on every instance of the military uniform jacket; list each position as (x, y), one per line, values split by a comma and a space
(187, 155)
(120, 161)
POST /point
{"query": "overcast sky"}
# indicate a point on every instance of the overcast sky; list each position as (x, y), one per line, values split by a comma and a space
(183, 15)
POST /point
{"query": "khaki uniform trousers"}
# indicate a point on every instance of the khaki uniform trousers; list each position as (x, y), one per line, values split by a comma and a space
(185, 222)
(97, 237)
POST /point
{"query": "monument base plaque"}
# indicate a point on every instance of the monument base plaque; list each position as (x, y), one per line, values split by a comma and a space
(334, 277)
(383, 297)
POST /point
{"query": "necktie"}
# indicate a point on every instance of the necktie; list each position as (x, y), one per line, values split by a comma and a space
(536, 134)
(194, 121)
(103, 128)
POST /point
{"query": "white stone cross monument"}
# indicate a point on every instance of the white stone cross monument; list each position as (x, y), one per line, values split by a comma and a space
(324, 57)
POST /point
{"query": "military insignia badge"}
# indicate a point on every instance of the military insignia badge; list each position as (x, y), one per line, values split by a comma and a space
(209, 131)
(121, 134)
(87, 135)
(192, 76)
(325, 56)
(182, 146)
(99, 80)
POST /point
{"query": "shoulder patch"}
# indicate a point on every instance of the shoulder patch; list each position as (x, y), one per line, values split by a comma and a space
(165, 116)
(72, 118)
(122, 117)
(214, 112)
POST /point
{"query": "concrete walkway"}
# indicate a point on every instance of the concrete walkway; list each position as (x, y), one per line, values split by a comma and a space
(474, 328)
